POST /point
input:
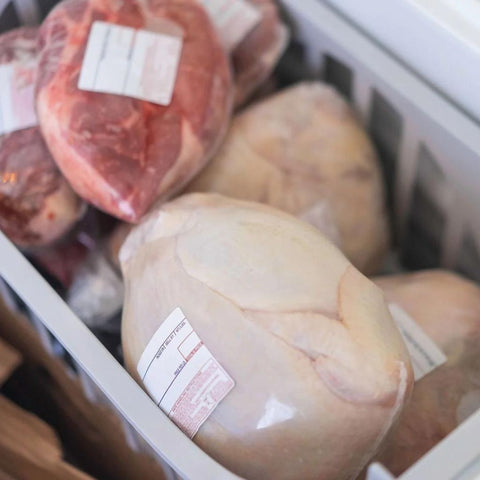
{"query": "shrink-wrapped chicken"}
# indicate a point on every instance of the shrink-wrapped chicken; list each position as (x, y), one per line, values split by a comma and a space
(304, 152)
(303, 362)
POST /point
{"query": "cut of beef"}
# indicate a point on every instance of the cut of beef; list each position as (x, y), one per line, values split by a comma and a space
(120, 153)
(37, 206)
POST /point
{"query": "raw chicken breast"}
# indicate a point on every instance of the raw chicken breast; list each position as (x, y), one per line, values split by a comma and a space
(321, 371)
(304, 152)
(447, 308)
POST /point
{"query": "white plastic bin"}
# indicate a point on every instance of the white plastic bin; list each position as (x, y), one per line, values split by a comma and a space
(430, 151)
(439, 39)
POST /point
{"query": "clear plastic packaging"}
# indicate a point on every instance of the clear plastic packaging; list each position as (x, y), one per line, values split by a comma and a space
(37, 205)
(303, 151)
(306, 338)
(447, 308)
(255, 58)
(120, 153)
(96, 293)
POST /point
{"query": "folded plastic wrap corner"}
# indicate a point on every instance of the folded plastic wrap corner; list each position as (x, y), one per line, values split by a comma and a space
(96, 293)
(119, 152)
(37, 206)
(447, 308)
(115, 242)
(303, 151)
(255, 58)
(320, 370)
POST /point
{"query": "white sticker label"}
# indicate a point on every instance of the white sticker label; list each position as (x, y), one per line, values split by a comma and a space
(181, 374)
(424, 353)
(129, 62)
(234, 19)
(17, 106)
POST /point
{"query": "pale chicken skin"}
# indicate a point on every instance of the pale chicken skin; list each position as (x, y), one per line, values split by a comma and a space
(321, 371)
(303, 151)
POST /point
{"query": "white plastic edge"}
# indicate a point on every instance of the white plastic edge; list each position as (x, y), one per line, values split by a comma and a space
(433, 37)
(456, 16)
(456, 457)
(378, 472)
(130, 400)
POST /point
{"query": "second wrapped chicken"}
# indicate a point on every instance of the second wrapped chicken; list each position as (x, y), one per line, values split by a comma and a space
(446, 308)
(304, 152)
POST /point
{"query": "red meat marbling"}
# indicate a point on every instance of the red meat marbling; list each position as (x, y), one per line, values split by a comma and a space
(37, 206)
(119, 153)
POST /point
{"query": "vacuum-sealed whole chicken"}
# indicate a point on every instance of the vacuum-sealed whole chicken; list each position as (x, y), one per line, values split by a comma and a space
(259, 339)
(447, 308)
(303, 151)
(37, 206)
(133, 97)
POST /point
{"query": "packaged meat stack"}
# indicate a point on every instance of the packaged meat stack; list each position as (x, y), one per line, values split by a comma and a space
(37, 205)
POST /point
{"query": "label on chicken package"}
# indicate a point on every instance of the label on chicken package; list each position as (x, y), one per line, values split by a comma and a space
(17, 105)
(234, 19)
(182, 375)
(424, 353)
(134, 63)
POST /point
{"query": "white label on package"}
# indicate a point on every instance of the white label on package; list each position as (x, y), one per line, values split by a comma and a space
(234, 19)
(181, 374)
(424, 353)
(17, 106)
(129, 62)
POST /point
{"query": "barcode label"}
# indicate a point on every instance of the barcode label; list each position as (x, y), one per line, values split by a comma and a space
(134, 63)
(424, 353)
(17, 104)
(181, 374)
(234, 20)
